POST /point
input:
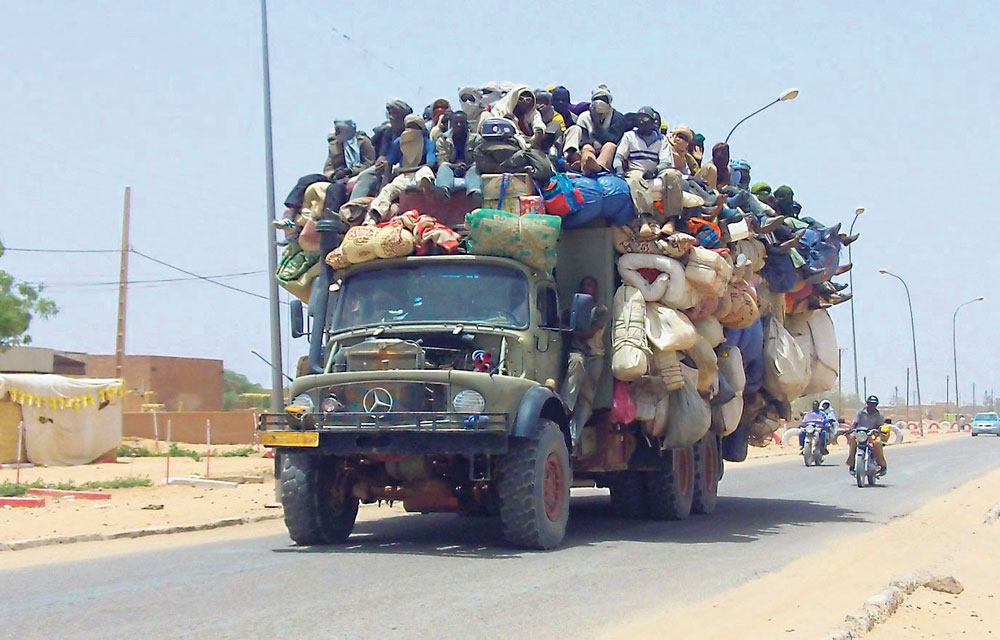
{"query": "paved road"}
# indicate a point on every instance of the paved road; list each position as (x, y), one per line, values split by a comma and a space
(443, 576)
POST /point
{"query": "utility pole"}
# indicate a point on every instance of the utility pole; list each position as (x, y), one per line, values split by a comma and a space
(947, 390)
(907, 395)
(123, 287)
(277, 394)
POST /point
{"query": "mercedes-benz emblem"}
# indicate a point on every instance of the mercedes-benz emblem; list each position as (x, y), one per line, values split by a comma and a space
(377, 402)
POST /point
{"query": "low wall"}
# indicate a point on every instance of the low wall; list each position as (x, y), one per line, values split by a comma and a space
(228, 427)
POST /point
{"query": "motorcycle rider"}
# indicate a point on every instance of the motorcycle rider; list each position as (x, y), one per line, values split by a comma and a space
(816, 414)
(870, 418)
(831, 418)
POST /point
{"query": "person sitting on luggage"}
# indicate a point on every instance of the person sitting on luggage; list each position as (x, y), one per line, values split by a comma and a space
(455, 159)
(590, 144)
(870, 418)
(470, 99)
(543, 100)
(411, 159)
(561, 104)
(382, 138)
(349, 154)
(518, 106)
(680, 140)
(642, 155)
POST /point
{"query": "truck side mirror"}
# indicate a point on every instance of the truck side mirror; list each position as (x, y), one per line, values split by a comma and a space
(298, 323)
(581, 314)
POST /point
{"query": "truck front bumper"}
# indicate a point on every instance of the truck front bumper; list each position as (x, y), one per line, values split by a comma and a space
(394, 433)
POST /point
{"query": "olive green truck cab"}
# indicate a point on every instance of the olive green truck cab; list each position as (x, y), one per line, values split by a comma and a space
(440, 382)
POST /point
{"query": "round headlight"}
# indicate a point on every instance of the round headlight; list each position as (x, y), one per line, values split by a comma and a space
(331, 404)
(304, 400)
(469, 401)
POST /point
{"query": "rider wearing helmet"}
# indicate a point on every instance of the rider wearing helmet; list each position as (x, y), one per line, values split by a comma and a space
(870, 418)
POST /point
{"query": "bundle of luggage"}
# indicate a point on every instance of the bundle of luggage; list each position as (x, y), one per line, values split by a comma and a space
(720, 319)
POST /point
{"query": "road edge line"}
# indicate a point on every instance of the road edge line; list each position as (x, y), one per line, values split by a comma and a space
(32, 543)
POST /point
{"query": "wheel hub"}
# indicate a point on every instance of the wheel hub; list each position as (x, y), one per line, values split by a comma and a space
(553, 487)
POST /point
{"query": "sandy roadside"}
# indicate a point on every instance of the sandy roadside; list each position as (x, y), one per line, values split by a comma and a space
(946, 536)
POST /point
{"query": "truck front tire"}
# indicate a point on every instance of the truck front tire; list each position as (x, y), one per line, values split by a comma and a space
(535, 478)
(318, 509)
(670, 489)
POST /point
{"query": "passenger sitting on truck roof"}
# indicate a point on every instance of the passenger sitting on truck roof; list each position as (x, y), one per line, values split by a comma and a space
(349, 154)
(590, 144)
(455, 159)
(412, 157)
(561, 104)
(681, 139)
(368, 180)
(641, 156)
(518, 106)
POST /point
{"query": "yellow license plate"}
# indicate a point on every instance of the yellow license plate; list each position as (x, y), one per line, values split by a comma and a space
(290, 439)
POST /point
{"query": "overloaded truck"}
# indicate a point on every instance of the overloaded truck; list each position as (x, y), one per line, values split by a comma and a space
(437, 383)
(484, 379)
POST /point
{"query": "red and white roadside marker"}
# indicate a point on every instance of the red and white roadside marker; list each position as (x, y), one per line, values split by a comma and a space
(79, 495)
(22, 501)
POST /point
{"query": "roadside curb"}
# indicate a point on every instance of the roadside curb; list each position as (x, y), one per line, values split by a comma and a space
(62, 493)
(22, 501)
(878, 608)
(31, 543)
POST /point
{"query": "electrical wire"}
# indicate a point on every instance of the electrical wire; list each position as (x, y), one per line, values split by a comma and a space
(71, 283)
(200, 277)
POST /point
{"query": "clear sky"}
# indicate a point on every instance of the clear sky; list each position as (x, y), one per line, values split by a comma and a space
(897, 114)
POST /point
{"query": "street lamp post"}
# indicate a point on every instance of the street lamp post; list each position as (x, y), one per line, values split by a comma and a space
(850, 276)
(913, 334)
(786, 95)
(954, 349)
(277, 392)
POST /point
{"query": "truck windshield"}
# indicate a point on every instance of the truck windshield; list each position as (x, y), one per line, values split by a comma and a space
(483, 294)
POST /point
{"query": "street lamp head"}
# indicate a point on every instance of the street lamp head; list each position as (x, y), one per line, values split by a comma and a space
(788, 94)
(980, 298)
(859, 211)
(884, 272)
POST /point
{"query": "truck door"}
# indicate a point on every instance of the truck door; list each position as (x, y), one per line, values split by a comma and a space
(548, 337)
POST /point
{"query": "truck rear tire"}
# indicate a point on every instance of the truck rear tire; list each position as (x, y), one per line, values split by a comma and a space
(628, 496)
(535, 477)
(318, 510)
(670, 489)
(707, 464)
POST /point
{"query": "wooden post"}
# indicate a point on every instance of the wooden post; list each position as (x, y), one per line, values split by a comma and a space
(168, 450)
(20, 444)
(208, 454)
(156, 432)
(123, 287)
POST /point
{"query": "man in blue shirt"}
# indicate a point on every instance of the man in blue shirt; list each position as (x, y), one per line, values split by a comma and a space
(411, 159)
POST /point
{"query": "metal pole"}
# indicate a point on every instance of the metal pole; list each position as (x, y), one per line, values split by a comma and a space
(854, 334)
(913, 335)
(954, 349)
(277, 395)
(122, 287)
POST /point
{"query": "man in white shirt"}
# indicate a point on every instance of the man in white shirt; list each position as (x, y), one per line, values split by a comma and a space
(642, 155)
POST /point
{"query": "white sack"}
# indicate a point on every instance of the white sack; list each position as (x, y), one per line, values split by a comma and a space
(629, 349)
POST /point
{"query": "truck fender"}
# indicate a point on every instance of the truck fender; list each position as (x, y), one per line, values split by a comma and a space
(541, 402)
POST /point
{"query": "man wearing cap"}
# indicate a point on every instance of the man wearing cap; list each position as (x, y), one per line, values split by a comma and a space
(642, 155)
(412, 157)
(870, 419)
(600, 128)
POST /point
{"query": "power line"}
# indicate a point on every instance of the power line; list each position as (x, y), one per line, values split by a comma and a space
(61, 250)
(193, 274)
(71, 283)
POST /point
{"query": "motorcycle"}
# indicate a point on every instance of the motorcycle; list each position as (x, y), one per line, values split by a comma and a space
(812, 450)
(865, 465)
